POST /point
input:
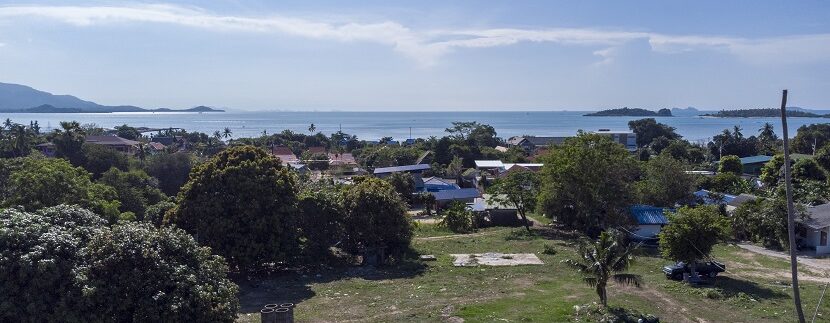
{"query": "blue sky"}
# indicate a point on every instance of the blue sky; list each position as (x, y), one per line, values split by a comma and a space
(421, 55)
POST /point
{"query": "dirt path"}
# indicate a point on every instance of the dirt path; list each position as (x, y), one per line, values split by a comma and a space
(815, 263)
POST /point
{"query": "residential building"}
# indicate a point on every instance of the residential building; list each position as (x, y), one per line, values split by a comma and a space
(464, 195)
(285, 154)
(650, 220)
(126, 146)
(753, 164)
(436, 184)
(625, 138)
(531, 143)
(813, 231)
(496, 211)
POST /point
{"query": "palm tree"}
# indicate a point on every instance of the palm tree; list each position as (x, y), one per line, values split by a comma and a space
(603, 260)
(311, 128)
(227, 133)
(22, 140)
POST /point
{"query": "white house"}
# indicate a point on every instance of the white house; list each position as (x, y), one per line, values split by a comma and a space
(650, 220)
(815, 229)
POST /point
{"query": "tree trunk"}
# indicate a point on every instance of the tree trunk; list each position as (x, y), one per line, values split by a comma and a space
(524, 218)
(603, 297)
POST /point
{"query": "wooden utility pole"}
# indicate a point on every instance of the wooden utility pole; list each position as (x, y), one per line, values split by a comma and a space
(790, 209)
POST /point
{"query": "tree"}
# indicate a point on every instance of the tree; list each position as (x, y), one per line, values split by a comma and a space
(455, 167)
(808, 169)
(171, 170)
(691, 234)
(665, 182)
(809, 138)
(135, 189)
(127, 132)
(587, 183)
(321, 220)
(39, 253)
(312, 128)
(649, 129)
(767, 140)
(37, 183)
(457, 218)
(771, 173)
(604, 260)
(731, 164)
(227, 133)
(98, 159)
(68, 141)
(733, 142)
(404, 184)
(137, 273)
(823, 157)
(726, 183)
(375, 217)
(242, 203)
(518, 189)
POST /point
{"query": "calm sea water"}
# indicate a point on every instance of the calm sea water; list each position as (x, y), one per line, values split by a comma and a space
(374, 125)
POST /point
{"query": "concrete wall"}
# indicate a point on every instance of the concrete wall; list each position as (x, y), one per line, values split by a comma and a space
(812, 238)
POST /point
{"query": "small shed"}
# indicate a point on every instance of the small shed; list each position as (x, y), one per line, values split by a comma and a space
(464, 195)
(814, 230)
(650, 220)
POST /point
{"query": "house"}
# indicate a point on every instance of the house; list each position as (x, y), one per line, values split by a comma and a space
(753, 164)
(341, 159)
(496, 211)
(498, 168)
(435, 184)
(738, 200)
(713, 198)
(625, 138)
(47, 149)
(126, 146)
(649, 219)
(156, 147)
(285, 154)
(316, 150)
(464, 195)
(412, 169)
(813, 231)
(530, 143)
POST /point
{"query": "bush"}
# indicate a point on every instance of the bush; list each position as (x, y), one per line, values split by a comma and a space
(458, 218)
(38, 253)
(549, 250)
(137, 273)
(135, 189)
(731, 164)
(243, 204)
(375, 217)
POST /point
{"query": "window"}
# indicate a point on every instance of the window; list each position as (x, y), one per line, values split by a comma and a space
(823, 238)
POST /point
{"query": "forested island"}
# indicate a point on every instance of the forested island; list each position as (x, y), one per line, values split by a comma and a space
(630, 112)
(762, 113)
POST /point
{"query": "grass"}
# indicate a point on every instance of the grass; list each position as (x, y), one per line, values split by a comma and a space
(754, 289)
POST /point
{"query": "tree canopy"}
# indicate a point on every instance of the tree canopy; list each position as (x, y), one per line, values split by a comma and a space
(692, 232)
(375, 217)
(243, 204)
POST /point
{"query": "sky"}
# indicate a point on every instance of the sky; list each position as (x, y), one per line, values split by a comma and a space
(421, 55)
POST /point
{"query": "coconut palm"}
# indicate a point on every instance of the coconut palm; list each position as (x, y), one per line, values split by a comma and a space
(603, 260)
(227, 133)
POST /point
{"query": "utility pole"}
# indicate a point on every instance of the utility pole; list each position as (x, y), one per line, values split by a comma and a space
(790, 210)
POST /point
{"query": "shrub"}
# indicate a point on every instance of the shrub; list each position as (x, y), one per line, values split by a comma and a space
(243, 204)
(458, 218)
(38, 253)
(731, 164)
(549, 250)
(137, 273)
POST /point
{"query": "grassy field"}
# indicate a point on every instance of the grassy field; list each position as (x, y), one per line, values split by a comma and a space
(756, 288)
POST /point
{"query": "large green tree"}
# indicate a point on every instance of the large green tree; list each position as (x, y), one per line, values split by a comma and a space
(691, 234)
(665, 182)
(98, 159)
(587, 183)
(135, 189)
(375, 217)
(730, 164)
(68, 140)
(649, 129)
(171, 170)
(243, 204)
(321, 220)
(36, 183)
(603, 260)
(519, 189)
(404, 184)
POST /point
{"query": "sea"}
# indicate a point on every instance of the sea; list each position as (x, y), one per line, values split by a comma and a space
(402, 125)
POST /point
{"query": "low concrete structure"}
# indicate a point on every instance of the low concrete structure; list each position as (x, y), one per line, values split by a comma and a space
(495, 259)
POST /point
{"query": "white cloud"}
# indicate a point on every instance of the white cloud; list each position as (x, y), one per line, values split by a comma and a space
(428, 45)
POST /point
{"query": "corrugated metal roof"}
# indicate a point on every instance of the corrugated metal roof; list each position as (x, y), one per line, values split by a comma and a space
(708, 200)
(464, 193)
(645, 214)
(489, 164)
(819, 217)
(407, 168)
(755, 159)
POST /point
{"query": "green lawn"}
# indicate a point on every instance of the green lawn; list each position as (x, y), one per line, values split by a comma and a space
(755, 290)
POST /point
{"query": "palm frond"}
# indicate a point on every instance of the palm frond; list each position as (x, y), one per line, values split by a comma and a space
(590, 281)
(628, 279)
(575, 265)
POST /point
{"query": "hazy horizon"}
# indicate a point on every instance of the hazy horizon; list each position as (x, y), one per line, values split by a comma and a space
(425, 56)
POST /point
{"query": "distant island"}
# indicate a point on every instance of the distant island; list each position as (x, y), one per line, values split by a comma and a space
(630, 112)
(762, 113)
(16, 98)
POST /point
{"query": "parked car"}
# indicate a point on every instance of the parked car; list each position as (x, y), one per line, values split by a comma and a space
(709, 268)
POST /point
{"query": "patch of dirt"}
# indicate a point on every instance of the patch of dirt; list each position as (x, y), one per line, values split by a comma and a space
(466, 235)
(663, 302)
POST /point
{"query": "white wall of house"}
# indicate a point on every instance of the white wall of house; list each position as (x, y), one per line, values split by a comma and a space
(813, 239)
(648, 230)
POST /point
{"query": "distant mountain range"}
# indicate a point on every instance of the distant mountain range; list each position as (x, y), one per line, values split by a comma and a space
(24, 99)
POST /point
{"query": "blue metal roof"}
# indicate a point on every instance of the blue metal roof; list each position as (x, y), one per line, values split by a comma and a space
(645, 214)
(755, 159)
(464, 193)
(708, 200)
(407, 168)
